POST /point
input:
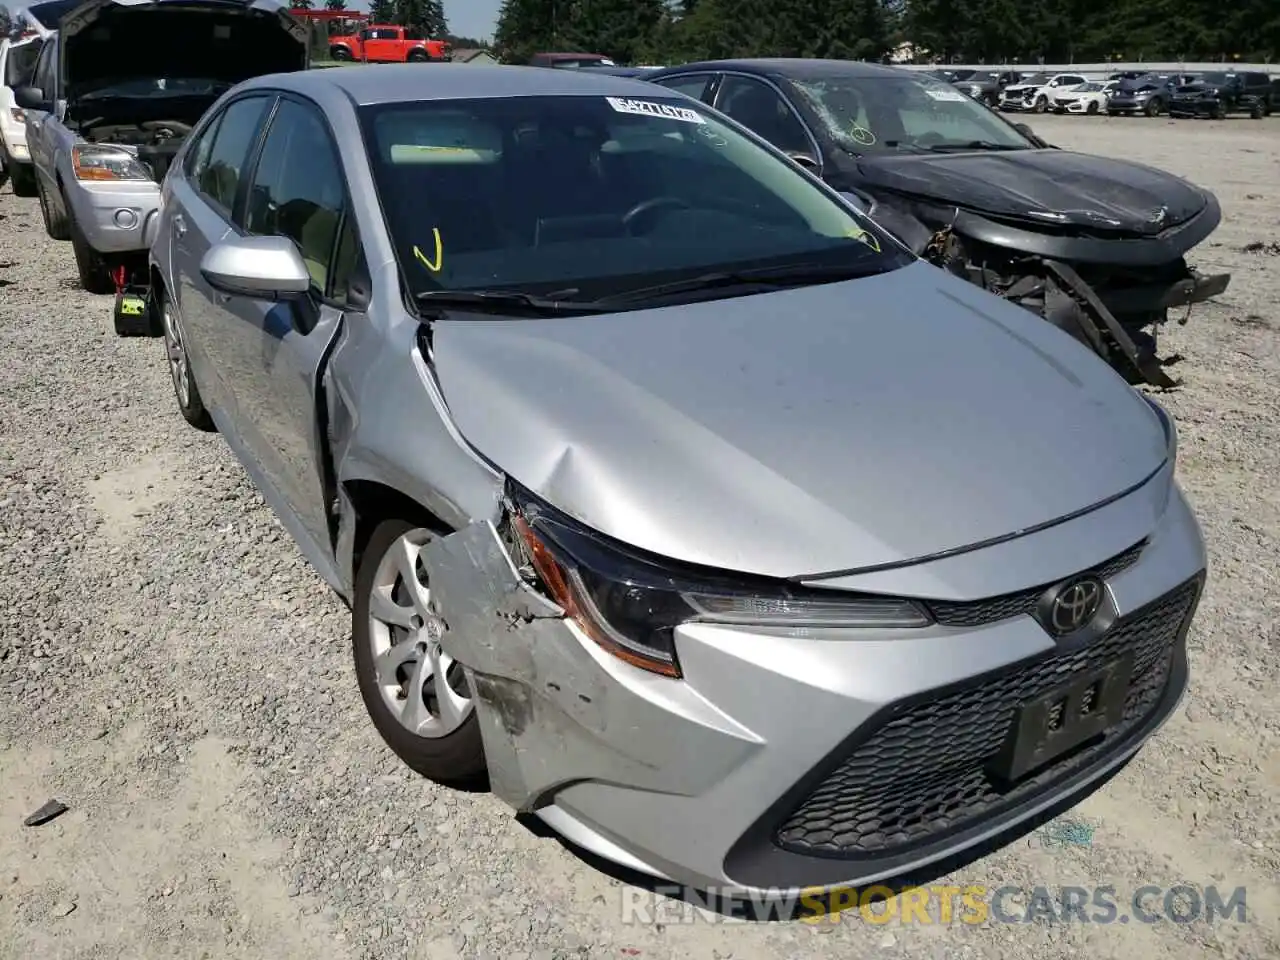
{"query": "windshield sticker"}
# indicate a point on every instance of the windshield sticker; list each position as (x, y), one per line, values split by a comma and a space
(862, 135)
(862, 236)
(648, 108)
(432, 265)
(943, 93)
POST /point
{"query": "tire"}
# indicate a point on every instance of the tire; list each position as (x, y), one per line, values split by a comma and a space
(55, 218)
(185, 391)
(1256, 112)
(1153, 107)
(1042, 104)
(23, 178)
(1092, 109)
(453, 757)
(1217, 112)
(416, 56)
(339, 53)
(95, 276)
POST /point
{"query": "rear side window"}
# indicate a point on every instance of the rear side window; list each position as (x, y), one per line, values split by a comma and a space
(219, 178)
(695, 87)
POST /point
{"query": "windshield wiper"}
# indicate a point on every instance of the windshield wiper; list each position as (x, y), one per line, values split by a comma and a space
(509, 302)
(797, 275)
(970, 145)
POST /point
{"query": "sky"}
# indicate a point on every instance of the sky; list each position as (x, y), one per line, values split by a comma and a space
(472, 18)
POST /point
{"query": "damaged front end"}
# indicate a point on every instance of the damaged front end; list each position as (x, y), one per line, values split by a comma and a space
(559, 692)
(1111, 292)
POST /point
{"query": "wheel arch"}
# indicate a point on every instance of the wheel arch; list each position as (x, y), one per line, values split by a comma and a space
(370, 502)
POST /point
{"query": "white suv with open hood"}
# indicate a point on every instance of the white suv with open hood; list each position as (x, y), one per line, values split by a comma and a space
(114, 95)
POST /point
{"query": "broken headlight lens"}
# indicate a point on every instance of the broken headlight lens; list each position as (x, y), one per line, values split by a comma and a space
(631, 603)
(92, 161)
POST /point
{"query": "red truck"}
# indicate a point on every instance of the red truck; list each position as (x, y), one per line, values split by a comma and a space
(387, 43)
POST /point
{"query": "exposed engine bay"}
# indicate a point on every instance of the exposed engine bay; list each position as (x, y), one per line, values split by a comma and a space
(1115, 308)
(129, 123)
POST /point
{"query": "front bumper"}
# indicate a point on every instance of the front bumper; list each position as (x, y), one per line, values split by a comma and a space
(1017, 106)
(115, 217)
(783, 762)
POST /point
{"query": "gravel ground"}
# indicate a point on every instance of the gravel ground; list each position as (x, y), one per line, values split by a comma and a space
(172, 671)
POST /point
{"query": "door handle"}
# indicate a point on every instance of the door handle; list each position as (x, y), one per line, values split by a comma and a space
(179, 225)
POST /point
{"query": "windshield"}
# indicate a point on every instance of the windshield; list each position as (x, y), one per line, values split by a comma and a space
(1217, 77)
(589, 197)
(879, 114)
(985, 78)
(1088, 88)
(1035, 80)
(567, 63)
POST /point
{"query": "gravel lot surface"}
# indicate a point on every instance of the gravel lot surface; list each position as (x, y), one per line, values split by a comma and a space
(172, 671)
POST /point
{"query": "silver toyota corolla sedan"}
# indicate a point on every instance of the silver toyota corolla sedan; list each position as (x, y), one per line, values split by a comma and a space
(666, 489)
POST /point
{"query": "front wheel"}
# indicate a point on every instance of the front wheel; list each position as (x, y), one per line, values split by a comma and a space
(1091, 109)
(339, 53)
(185, 391)
(416, 694)
(1154, 107)
(1042, 104)
(55, 218)
(417, 56)
(94, 275)
(23, 178)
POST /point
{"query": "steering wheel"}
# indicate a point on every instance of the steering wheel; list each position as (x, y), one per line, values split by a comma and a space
(645, 207)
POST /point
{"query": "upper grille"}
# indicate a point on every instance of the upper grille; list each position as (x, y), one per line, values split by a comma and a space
(975, 613)
(923, 772)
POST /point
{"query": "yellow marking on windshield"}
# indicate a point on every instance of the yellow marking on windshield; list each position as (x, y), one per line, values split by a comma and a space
(857, 233)
(433, 266)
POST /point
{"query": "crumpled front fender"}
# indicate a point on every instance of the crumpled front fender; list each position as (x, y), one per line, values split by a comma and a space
(554, 708)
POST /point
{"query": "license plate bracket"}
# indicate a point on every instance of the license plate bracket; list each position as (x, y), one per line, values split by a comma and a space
(1059, 721)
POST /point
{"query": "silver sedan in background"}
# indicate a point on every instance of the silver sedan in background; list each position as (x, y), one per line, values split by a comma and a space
(668, 491)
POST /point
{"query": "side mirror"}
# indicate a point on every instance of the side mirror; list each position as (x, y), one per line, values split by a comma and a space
(260, 268)
(808, 161)
(32, 98)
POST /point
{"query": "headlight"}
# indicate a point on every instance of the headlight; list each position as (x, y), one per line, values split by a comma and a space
(631, 603)
(92, 161)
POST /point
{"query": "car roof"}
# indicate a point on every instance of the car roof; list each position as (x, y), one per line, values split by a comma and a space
(407, 82)
(794, 68)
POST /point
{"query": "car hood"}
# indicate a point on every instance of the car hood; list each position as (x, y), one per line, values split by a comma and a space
(1094, 192)
(821, 429)
(107, 42)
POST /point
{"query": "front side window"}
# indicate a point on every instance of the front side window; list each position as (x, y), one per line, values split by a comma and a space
(219, 179)
(20, 64)
(298, 189)
(761, 109)
(590, 196)
(883, 114)
(45, 75)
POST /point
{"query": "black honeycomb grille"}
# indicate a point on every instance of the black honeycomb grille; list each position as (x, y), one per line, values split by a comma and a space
(976, 613)
(923, 773)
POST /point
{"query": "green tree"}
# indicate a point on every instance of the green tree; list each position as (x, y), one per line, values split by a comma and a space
(527, 26)
(620, 29)
(426, 15)
(382, 11)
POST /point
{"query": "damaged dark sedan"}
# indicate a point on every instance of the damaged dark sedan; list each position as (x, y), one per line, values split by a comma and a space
(1094, 245)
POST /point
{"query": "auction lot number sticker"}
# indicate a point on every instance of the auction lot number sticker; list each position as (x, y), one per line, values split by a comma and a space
(647, 108)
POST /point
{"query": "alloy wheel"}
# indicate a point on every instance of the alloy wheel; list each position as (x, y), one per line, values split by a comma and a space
(177, 353)
(424, 688)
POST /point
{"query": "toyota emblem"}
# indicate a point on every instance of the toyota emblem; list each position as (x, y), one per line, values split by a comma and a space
(1075, 605)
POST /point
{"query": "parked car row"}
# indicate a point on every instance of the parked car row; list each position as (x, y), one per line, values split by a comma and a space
(1214, 94)
(436, 313)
